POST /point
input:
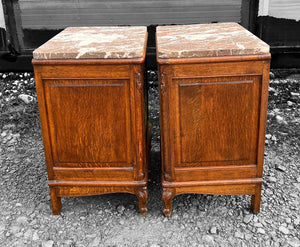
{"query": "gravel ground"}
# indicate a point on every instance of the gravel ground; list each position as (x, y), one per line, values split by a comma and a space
(113, 220)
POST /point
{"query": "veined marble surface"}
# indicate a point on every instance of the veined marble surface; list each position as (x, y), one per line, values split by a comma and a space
(207, 40)
(94, 43)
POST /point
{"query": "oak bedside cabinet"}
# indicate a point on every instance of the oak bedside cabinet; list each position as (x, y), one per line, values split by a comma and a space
(213, 94)
(91, 96)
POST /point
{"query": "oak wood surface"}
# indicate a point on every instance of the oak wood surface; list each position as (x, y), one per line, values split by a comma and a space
(96, 138)
(213, 121)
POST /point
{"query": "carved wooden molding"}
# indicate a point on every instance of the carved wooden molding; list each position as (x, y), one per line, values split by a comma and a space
(138, 82)
(141, 176)
(167, 197)
(167, 176)
(163, 82)
(142, 195)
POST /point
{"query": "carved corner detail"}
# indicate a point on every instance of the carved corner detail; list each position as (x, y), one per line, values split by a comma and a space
(167, 176)
(163, 82)
(138, 82)
(167, 197)
(142, 195)
(141, 176)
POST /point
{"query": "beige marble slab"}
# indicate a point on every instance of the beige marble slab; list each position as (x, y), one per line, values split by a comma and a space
(94, 43)
(207, 40)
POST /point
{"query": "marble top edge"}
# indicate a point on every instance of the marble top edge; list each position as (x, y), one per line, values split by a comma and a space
(102, 42)
(207, 40)
(166, 27)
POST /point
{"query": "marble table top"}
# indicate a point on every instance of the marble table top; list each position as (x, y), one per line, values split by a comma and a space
(207, 40)
(94, 43)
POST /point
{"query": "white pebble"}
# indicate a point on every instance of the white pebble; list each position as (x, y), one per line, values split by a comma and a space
(280, 120)
(26, 98)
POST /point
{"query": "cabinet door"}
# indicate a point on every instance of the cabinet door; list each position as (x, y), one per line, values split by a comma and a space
(214, 120)
(90, 122)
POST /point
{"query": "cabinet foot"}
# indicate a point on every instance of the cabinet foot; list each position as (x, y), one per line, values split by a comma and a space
(255, 199)
(167, 198)
(142, 195)
(56, 202)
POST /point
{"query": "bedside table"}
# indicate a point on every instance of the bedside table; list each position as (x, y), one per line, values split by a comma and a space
(213, 91)
(91, 96)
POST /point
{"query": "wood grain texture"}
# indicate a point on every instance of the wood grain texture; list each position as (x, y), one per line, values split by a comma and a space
(215, 172)
(212, 130)
(94, 128)
(78, 111)
(213, 120)
(93, 174)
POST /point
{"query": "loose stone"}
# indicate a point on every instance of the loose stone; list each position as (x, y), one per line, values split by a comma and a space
(68, 243)
(272, 179)
(239, 234)
(96, 242)
(288, 220)
(176, 217)
(185, 215)
(15, 229)
(35, 236)
(258, 225)
(248, 236)
(271, 89)
(26, 98)
(120, 209)
(296, 221)
(255, 218)
(284, 230)
(280, 167)
(208, 238)
(48, 243)
(293, 94)
(22, 220)
(247, 218)
(261, 230)
(280, 120)
(294, 242)
(213, 230)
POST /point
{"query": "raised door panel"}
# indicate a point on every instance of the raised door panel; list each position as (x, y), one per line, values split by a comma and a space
(89, 122)
(216, 121)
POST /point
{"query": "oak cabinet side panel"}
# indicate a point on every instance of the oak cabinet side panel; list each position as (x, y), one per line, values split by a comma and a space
(88, 120)
(217, 120)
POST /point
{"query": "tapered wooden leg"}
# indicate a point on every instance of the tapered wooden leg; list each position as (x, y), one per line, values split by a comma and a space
(142, 195)
(167, 198)
(56, 202)
(255, 199)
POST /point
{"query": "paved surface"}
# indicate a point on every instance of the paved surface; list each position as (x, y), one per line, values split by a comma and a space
(113, 220)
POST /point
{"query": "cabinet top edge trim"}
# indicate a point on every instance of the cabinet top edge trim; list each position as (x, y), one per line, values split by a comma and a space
(89, 61)
(214, 59)
(214, 76)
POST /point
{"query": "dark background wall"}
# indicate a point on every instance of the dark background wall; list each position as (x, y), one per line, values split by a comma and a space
(30, 23)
